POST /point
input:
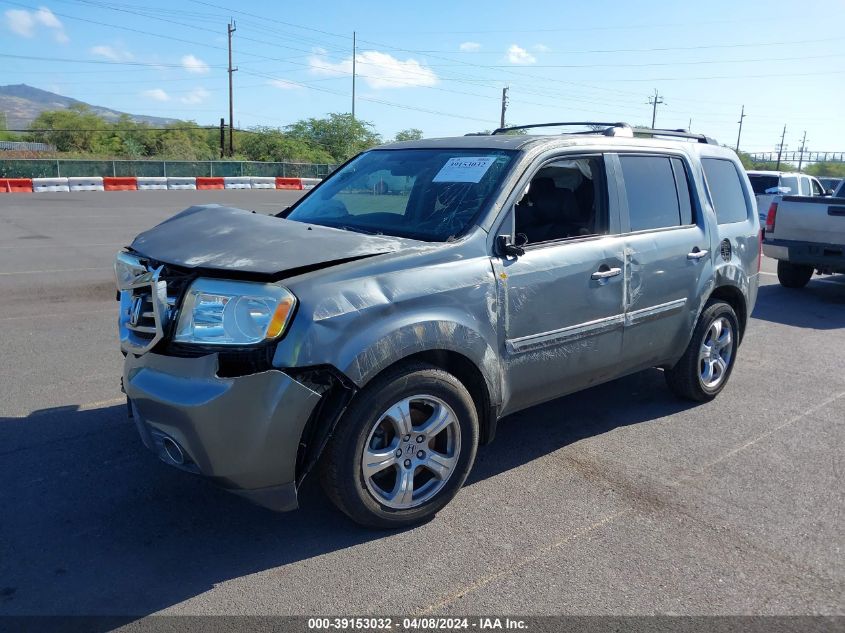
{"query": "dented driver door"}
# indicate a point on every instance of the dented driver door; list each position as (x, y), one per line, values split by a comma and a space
(561, 309)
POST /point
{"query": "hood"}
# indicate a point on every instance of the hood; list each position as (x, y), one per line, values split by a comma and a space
(223, 238)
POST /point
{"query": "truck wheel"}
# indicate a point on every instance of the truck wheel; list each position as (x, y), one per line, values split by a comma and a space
(793, 275)
(403, 448)
(705, 367)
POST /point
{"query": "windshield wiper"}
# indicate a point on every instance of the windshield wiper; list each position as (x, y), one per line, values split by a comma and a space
(358, 229)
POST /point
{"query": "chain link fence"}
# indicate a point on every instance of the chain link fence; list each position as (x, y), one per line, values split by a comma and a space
(58, 168)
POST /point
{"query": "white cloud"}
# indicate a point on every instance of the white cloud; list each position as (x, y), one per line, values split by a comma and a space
(469, 47)
(156, 94)
(20, 22)
(111, 52)
(284, 84)
(378, 70)
(197, 95)
(518, 55)
(25, 23)
(194, 65)
(541, 48)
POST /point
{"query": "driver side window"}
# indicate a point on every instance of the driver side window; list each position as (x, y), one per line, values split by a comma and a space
(566, 199)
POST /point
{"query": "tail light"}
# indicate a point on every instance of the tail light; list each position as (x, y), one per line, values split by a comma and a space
(771, 217)
(760, 251)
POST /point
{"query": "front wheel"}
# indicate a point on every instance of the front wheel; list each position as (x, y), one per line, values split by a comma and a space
(794, 275)
(403, 448)
(706, 365)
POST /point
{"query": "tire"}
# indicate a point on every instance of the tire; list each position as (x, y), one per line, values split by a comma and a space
(409, 398)
(689, 377)
(794, 275)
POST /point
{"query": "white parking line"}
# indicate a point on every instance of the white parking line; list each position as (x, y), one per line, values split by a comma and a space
(65, 270)
(30, 246)
(542, 552)
(57, 314)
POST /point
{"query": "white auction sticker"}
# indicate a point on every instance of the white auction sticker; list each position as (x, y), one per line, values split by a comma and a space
(464, 169)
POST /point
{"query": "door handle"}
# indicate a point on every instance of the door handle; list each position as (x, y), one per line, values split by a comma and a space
(697, 253)
(604, 274)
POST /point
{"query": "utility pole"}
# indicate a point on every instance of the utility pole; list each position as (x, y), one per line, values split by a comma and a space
(222, 137)
(654, 101)
(231, 29)
(780, 147)
(689, 126)
(504, 106)
(801, 155)
(354, 55)
(739, 135)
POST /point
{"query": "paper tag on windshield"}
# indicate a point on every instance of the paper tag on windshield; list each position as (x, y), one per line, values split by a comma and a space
(464, 169)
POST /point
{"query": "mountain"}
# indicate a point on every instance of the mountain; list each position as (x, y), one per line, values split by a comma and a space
(23, 103)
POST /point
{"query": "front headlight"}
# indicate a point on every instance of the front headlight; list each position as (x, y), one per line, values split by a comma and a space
(219, 312)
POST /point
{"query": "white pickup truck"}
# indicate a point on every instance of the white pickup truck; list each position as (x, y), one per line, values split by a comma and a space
(806, 234)
(768, 184)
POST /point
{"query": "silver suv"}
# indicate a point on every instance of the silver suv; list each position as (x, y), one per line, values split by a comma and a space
(377, 330)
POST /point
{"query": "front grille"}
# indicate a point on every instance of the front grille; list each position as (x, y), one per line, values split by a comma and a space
(148, 305)
(146, 320)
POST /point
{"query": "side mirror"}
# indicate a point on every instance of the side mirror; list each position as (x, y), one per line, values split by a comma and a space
(829, 192)
(510, 247)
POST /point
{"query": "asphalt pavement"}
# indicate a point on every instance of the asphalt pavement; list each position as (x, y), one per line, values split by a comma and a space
(617, 500)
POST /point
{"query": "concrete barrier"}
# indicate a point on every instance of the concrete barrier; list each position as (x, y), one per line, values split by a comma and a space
(237, 182)
(91, 183)
(21, 185)
(128, 183)
(215, 182)
(151, 182)
(263, 182)
(40, 185)
(181, 182)
(310, 183)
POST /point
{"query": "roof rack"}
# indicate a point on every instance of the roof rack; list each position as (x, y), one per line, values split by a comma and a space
(680, 133)
(612, 129)
(607, 126)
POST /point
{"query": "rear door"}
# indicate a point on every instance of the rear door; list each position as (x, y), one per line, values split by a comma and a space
(667, 256)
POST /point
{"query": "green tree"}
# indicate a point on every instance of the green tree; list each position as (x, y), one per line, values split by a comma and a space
(274, 145)
(76, 129)
(338, 134)
(830, 169)
(411, 134)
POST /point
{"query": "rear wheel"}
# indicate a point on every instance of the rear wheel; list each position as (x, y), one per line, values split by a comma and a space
(794, 275)
(403, 449)
(705, 367)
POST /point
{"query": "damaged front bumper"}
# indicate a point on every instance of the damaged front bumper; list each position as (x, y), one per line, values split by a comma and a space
(243, 432)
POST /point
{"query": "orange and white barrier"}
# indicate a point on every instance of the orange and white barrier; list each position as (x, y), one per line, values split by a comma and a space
(93, 183)
(131, 183)
(120, 183)
(41, 185)
(18, 185)
(214, 182)
(146, 183)
(262, 182)
(237, 182)
(181, 182)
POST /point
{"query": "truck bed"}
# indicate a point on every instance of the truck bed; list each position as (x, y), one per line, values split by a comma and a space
(810, 219)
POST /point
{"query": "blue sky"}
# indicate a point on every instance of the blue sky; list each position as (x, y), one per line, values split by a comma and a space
(440, 66)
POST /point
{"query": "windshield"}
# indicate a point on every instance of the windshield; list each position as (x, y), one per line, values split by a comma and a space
(760, 183)
(425, 194)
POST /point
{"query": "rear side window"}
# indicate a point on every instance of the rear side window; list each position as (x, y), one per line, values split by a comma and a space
(653, 197)
(726, 190)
